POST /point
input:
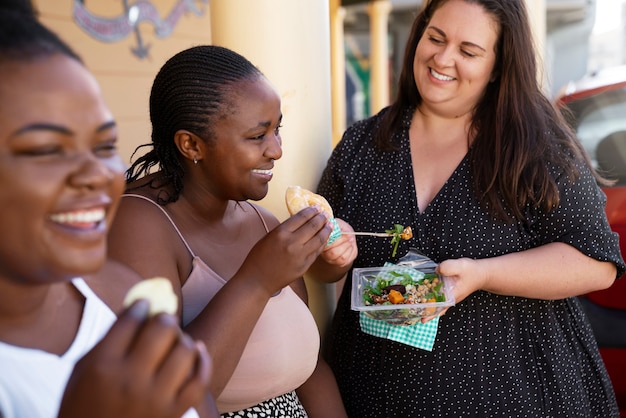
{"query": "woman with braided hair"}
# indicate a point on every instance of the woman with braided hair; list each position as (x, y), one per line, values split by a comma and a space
(238, 272)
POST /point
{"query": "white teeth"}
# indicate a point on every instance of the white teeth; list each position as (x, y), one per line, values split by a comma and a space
(85, 216)
(440, 76)
(266, 172)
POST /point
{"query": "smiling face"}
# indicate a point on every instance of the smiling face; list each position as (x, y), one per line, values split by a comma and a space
(60, 174)
(455, 58)
(246, 141)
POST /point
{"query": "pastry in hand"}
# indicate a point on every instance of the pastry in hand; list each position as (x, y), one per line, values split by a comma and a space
(158, 291)
(298, 198)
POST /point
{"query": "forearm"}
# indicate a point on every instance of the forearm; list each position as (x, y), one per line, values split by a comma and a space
(552, 271)
(320, 394)
(324, 272)
(226, 323)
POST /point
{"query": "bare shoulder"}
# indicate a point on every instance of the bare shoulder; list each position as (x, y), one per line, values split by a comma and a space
(267, 216)
(134, 205)
(112, 282)
(137, 222)
(141, 201)
(143, 238)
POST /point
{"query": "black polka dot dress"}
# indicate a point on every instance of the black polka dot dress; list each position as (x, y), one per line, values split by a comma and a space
(494, 356)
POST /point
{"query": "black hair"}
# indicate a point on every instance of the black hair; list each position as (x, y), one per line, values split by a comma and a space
(189, 92)
(21, 6)
(23, 37)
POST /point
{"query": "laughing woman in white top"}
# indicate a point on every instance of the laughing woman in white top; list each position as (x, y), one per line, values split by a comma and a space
(60, 182)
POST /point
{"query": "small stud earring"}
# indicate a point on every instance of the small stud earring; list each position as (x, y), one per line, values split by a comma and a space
(195, 160)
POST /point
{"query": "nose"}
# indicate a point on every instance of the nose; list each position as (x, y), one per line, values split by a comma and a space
(444, 56)
(92, 172)
(274, 149)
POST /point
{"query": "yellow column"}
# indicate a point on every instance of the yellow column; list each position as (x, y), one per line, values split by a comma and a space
(378, 11)
(338, 69)
(537, 15)
(290, 43)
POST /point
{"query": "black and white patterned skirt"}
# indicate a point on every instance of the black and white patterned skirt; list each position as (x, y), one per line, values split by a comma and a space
(283, 406)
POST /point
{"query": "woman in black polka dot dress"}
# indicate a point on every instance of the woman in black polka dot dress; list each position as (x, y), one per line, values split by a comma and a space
(473, 157)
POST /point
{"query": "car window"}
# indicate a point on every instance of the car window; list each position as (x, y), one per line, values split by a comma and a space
(600, 123)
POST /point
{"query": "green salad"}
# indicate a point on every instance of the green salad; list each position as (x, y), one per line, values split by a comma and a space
(427, 289)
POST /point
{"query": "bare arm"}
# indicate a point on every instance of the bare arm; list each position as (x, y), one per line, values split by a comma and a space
(112, 282)
(141, 239)
(292, 245)
(551, 271)
(319, 394)
(226, 323)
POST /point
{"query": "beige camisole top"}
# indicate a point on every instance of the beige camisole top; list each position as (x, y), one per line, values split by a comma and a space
(282, 350)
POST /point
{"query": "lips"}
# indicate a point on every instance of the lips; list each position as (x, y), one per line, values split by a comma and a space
(263, 172)
(440, 76)
(82, 219)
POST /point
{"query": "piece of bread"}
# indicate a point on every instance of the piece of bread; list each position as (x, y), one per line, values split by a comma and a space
(298, 198)
(158, 291)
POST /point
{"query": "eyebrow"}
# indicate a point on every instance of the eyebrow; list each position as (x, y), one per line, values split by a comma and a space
(442, 33)
(267, 124)
(57, 128)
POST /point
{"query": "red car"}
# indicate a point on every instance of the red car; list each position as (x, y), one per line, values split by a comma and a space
(596, 108)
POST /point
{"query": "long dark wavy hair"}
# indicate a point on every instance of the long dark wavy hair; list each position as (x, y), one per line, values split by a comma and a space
(517, 131)
(189, 92)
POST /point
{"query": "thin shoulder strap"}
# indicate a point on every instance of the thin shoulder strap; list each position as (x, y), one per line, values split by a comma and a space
(166, 214)
(258, 212)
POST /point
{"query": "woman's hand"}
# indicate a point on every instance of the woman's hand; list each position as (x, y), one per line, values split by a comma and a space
(464, 275)
(288, 250)
(344, 250)
(143, 367)
(337, 258)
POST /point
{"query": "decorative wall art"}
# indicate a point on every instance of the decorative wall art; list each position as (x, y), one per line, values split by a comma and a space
(113, 29)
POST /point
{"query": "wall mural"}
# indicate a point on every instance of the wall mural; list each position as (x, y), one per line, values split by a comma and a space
(113, 29)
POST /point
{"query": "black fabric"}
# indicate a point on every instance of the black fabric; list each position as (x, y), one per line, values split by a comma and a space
(494, 356)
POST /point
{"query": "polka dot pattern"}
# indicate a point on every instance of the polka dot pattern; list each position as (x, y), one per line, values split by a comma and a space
(283, 406)
(495, 356)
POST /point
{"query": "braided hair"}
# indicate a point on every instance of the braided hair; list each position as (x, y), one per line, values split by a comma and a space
(189, 92)
(24, 38)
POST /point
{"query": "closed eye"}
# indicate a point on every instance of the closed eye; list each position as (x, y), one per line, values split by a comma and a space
(106, 148)
(41, 151)
(434, 40)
